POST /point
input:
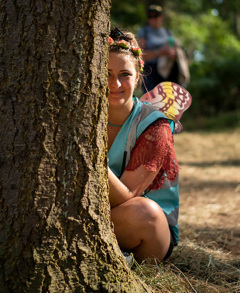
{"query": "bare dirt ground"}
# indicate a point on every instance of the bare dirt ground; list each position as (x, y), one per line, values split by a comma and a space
(210, 190)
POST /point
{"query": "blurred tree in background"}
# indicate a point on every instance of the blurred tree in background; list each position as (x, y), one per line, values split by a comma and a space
(209, 30)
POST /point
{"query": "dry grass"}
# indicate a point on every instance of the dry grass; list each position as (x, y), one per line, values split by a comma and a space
(207, 258)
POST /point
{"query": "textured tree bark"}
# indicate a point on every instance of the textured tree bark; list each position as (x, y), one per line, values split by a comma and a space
(55, 229)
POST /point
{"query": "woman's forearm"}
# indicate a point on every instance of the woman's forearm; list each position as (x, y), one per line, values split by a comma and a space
(118, 192)
(165, 51)
(150, 54)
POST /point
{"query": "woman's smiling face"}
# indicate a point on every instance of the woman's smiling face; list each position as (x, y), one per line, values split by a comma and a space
(122, 78)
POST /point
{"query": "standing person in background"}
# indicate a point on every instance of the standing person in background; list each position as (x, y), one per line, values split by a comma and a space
(164, 58)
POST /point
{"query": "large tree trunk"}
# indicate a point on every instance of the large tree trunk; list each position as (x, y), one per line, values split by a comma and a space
(55, 229)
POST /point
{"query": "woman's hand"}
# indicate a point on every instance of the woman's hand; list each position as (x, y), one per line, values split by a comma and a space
(168, 52)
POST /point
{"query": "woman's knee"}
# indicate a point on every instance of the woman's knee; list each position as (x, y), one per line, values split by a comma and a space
(143, 211)
(138, 212)
(148, 209)
(140, 223)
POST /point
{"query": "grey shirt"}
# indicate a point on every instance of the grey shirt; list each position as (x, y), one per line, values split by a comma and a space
(155, 38)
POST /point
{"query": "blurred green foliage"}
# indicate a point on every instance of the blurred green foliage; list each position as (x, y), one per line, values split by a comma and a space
(209, 32)
(127, 14)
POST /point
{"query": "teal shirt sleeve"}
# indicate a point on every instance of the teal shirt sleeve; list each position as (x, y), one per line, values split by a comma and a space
(172, 125)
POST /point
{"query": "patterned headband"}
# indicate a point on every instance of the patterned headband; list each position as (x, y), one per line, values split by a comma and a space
(117, 38)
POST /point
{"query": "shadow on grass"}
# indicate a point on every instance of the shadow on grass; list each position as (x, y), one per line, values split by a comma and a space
(207, 266)
(188, 184)
(212, 257)
(225, 239)
(234, 163)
